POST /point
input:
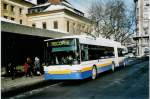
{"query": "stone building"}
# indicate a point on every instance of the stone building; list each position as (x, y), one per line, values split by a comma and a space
(15, 10)
(142, 8)
(58, 15)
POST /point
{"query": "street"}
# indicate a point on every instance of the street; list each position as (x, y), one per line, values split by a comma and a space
(125, 83)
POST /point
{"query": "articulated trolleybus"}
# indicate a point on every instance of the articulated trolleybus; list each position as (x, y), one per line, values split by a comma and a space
(80, 57)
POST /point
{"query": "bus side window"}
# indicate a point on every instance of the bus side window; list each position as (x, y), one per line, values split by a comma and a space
(82, 55)
(108, 52)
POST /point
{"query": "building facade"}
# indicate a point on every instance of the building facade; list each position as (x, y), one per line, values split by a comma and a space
(59, 15)
(142, 8)
(15, 10)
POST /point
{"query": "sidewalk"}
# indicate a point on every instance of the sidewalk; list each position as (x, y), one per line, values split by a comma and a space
(8, 84)
(22, 84)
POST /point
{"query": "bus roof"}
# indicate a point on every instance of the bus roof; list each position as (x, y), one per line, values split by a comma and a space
(84, 39)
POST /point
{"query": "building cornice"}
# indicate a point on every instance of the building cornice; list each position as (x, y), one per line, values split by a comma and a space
(23, 2)
(68, 12)
(43, 13)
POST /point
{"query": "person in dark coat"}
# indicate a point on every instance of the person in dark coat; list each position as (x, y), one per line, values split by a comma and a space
(12, 70)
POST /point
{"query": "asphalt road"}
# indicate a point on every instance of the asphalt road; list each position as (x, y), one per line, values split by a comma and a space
(125, 83)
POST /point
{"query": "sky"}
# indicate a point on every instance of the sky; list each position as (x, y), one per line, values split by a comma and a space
(84, 5)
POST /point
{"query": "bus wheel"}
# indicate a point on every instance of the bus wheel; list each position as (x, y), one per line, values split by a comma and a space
(94, 72)
(113, 66)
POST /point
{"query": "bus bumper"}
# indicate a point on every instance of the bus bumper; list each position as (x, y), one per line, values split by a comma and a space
(70, 76)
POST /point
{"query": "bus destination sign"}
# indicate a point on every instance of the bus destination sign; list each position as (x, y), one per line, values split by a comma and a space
(60, 43)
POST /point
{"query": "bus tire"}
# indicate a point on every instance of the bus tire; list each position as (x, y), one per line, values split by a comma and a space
(94, 72)
(113, 66)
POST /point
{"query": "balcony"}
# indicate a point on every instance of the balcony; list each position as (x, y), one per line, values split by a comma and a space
(139, 37)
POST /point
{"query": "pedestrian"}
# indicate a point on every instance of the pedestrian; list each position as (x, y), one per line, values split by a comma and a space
(30, 69)
(12, 70)
(37, 66)
(26, 69)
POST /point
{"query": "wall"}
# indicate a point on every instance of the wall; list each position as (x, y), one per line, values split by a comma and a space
(7, 13)
(76, 25)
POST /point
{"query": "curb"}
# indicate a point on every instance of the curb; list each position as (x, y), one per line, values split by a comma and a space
(21, 89)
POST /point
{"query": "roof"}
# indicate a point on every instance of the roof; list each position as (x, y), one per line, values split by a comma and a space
(40, 5)
(51, 7)
(57, 7)
(26, 30)
(92, 41)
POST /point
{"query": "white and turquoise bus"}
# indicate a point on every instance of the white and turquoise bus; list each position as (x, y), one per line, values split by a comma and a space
(80, 57)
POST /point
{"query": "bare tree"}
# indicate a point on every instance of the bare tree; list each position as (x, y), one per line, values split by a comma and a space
(112, 19)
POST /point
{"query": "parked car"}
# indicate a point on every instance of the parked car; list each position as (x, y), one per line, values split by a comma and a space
(130, 55)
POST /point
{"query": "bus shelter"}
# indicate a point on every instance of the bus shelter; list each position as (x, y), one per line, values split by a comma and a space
(19, 42)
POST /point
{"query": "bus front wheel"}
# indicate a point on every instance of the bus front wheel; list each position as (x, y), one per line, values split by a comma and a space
(94, 72)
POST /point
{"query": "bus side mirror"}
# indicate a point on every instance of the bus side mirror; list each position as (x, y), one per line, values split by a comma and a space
(124, 53)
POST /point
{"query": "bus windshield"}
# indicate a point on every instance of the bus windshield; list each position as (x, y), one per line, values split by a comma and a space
(62, 51)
